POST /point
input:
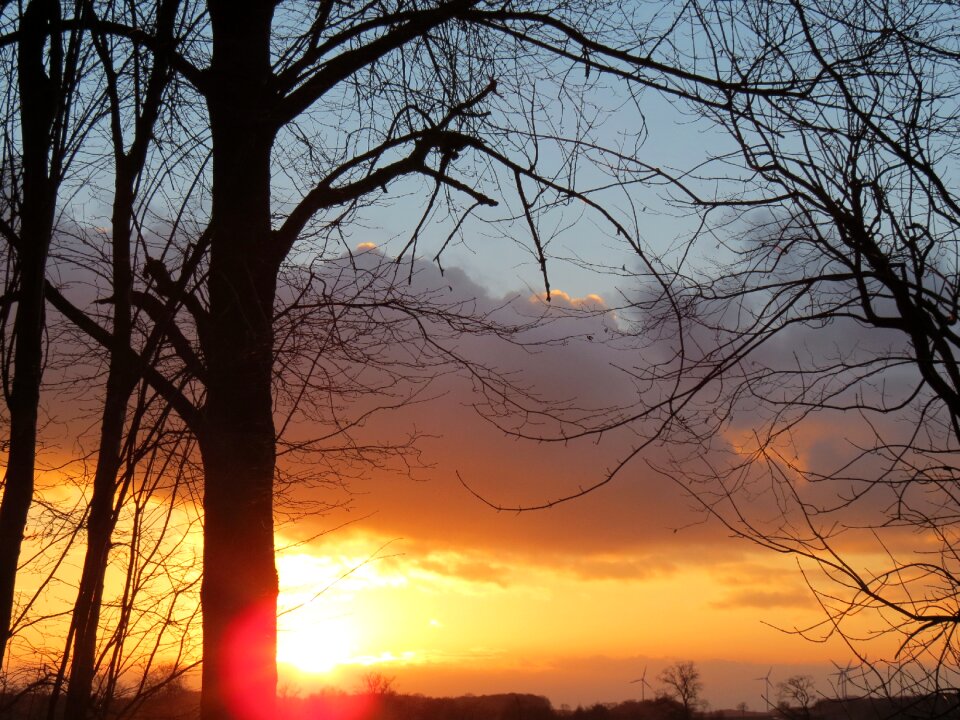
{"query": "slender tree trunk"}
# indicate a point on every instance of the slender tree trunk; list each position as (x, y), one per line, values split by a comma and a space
(121, 380)
(237, 441)
(38, 106)
(122, 374)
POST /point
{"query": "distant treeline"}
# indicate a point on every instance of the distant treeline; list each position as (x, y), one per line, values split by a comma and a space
(508, 706)
(183, 704)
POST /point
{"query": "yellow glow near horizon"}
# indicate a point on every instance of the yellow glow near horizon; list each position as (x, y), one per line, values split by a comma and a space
(317, 630)
(447, 620)
(317, 646)
(357, 614)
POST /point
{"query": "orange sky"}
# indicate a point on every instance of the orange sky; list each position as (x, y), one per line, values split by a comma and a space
(432, 586)
(417, 579)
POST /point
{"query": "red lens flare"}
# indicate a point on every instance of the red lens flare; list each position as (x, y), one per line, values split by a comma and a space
(250, 663)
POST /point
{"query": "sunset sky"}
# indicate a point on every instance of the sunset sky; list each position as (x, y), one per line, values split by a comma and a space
(428, 584)
(552, 346)
(409, 574)
(412, 576)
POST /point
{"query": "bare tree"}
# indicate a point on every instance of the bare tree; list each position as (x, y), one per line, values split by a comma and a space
(436, 91)
(796, 694)
(376, 683)
(347, 102)
(132, 102)
(826, 313)
(682, 681)
(47, 68)
(129, 88)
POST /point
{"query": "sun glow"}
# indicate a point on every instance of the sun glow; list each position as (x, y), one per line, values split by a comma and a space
(314, 634)
(318, 645)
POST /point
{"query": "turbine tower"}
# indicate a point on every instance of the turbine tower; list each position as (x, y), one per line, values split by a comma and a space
(643, 684)
(766, 695)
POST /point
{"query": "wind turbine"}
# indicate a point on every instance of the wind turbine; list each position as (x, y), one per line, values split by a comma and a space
(643, 684)
(839, 674)
(846, 677)
(843, 676)
(766, 680)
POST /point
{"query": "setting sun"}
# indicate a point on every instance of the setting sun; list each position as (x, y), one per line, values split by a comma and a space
(313, 637)
(317, 646)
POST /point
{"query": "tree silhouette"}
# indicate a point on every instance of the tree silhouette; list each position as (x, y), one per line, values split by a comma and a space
(289, 119)
(440, 92)
(376, 683)
(136, 102)
(682, 681)
(42, 79)
(797, 693)
(816, 356)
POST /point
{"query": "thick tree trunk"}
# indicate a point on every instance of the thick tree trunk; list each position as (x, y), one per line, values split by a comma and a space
(239, 591)
(237, 441)
(38, 103)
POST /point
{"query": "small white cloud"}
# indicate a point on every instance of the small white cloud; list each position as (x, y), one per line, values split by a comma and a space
(565, 299)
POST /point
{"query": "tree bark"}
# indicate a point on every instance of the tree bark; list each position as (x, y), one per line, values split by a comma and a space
(237, 438)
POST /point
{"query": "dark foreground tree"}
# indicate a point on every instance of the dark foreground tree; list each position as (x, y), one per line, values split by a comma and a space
(135, 89)
(816, 357)
(346, 103)
(796, 696)
(44, 67)
(801, 365)
(348, 99)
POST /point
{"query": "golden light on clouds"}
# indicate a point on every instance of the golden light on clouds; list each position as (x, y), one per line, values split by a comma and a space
(312, 636)
(591, 301)
(449, 609)
(630, 571)
(157, 530)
